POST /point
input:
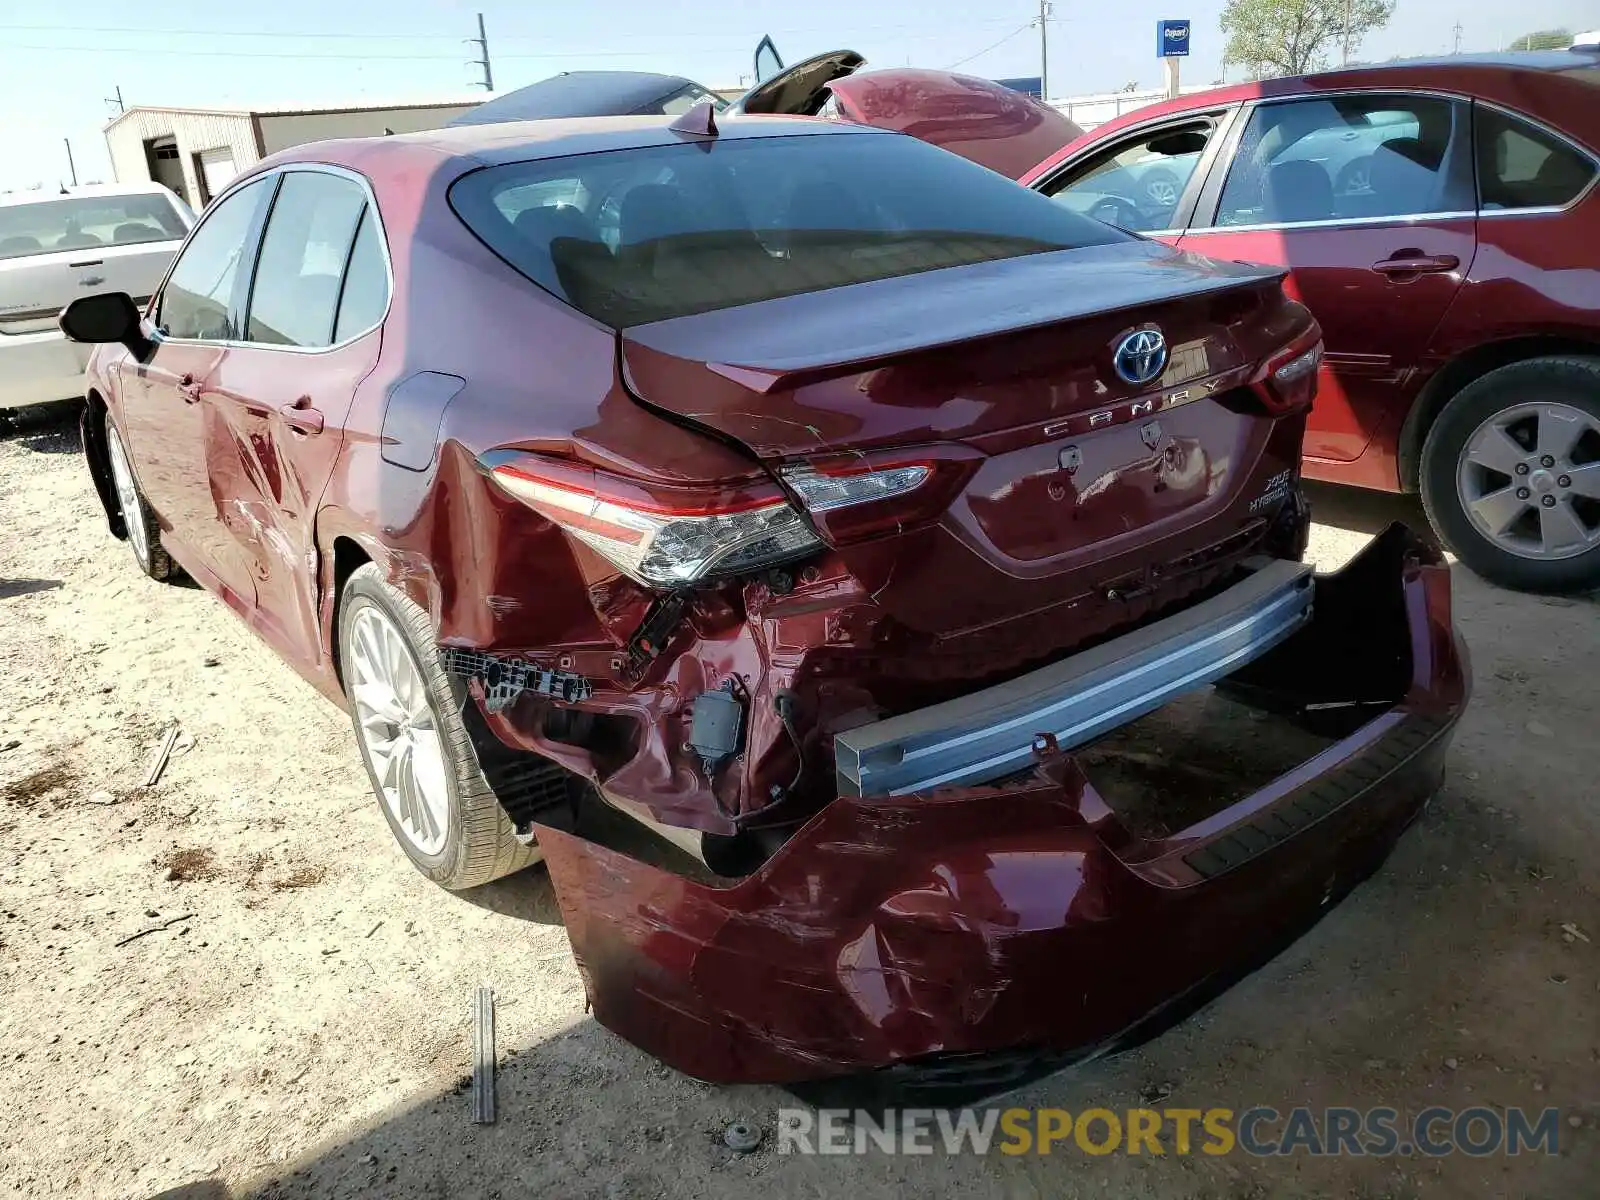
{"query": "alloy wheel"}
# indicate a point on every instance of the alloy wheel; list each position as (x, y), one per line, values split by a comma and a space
(1163, 193)
(127, 495)
(398, 732)
(1529, 480)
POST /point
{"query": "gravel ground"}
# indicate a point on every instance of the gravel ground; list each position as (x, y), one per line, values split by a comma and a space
(297, 1023)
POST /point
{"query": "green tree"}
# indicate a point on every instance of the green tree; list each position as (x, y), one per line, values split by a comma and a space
(1544, 39)
(1292, 37)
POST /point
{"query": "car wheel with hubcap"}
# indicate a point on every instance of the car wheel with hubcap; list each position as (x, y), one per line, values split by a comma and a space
(144, 532)
(406, 712)
(1511, 475)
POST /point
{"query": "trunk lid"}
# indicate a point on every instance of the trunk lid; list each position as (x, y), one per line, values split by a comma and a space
(1075, 474)
(35, 288)
(56, 248)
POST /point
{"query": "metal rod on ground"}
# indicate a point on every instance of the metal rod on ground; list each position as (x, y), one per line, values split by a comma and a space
(483, 1057)
(163, 753)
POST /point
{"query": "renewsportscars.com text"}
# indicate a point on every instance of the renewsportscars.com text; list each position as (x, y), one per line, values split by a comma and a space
(1261, 1131)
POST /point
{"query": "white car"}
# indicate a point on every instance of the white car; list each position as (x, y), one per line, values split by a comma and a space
(57, 246)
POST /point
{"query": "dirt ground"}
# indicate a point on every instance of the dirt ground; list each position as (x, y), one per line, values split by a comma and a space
(298, 1023)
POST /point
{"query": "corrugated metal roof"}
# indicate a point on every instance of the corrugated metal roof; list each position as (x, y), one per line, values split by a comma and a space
(275, 110)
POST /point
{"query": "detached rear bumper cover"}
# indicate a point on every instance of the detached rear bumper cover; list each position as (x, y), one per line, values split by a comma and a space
(1024, 917)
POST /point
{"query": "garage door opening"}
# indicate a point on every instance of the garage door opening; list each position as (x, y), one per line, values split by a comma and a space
(214, 170)
(165, 167)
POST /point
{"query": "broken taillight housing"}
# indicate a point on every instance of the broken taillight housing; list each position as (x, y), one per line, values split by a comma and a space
(661, 536)
(1288, 381)
(859, 496)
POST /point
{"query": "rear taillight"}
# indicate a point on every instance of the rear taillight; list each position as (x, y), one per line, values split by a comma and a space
(850, 498)
(663, 537)
(1288, 381)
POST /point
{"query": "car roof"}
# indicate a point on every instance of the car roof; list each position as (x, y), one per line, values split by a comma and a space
(40, 195)
(1541, 83)
(521, 141)
(1460, 71)
(577, 94)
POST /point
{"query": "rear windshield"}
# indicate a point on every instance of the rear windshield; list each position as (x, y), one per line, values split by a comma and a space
(634, 236)
(81, 222)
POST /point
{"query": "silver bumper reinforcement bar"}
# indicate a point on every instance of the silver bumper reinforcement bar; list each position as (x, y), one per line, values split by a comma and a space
(989, 734)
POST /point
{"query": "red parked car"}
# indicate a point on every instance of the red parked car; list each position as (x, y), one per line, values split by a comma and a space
(872, 588)
(1442, 222)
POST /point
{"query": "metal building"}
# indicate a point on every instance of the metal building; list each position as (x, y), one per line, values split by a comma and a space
(196, 151)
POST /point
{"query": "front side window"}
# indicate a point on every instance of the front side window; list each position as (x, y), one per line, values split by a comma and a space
(196, 300)
(86, 222)
(294, 300)
(641, 235)
(1342, 158)
(1136, 184)
(1522, 166)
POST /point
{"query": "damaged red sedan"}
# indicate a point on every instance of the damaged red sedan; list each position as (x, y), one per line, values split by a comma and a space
(872, 588)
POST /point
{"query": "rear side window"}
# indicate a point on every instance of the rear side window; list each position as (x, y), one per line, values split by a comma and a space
(295, 296)
(1522, 166)
(196, 300)
(84, 222)
(1345, 158)
(366, 283)
(634, 236)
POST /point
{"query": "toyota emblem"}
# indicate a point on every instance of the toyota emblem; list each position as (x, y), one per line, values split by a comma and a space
(1140, 357)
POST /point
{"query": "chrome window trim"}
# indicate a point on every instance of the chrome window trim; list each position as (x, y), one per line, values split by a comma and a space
(1397, 219)
(1539, 210)
(383, 240)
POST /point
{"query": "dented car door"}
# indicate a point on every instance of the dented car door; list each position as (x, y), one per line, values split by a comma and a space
(279, 402)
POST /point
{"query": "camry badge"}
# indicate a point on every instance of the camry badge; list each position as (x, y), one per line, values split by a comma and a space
(1140, 357)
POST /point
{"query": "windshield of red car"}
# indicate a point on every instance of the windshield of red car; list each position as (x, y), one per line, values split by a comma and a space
(635, 236)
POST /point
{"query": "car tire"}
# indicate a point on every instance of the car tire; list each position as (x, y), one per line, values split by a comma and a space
(444, 814)
(1549, 530)
(144, 531)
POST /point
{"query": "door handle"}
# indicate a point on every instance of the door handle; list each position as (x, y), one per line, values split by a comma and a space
(189, 388)
(1406, 263)
(299, 416)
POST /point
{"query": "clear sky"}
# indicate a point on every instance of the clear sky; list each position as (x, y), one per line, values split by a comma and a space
(56, 71)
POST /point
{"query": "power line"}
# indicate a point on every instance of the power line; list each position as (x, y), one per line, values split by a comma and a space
(992, 46)
(265, 33)
(320, 57)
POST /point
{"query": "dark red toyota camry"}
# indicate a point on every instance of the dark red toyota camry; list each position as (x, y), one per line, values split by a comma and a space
(873, 589)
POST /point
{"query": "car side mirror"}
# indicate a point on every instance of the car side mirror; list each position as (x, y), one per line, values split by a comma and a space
(107, 317)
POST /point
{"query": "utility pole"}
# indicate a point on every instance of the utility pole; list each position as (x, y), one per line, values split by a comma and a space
(1044, 52)
(117, 100)
(71, 166)
(482, 43)
(1346, 33)
(1457, 32)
